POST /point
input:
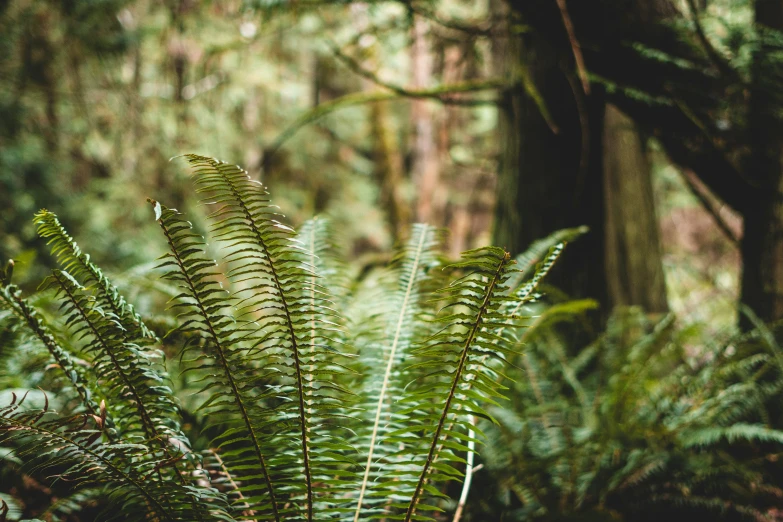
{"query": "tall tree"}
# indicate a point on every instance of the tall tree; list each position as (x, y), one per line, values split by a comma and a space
(762, 241)
(634, 273)
(561, 162)
(425, 168)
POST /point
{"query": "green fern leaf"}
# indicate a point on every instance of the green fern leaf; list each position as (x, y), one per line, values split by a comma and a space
(76, 262)
(274, 281)
(125, 471)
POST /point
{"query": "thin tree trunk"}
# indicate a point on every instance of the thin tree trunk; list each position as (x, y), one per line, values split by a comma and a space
(388, 170)
(634, 272)
(762, 241)
(425, 167)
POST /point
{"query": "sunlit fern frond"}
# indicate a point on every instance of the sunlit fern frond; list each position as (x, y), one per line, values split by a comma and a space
(278, 393)
(384, 355)
(270, 269)
(236, 395)
(452, 382)
(129, 476)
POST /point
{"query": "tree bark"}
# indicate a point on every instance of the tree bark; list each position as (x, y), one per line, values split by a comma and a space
(762, 241)
(591, 172)
(545, 182)
(425, 168)
(634, 272)
(388, 170)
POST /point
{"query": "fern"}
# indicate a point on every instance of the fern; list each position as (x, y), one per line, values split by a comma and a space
(76, 262)
(221, 353)
(125, 470)
(452, 359)
(12, 298)
(304, 420)
(629, 428)
(539, 250)
(414, 262)
(287, 394)
(300, 414)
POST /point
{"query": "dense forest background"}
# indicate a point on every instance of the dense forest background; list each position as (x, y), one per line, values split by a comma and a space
(470, 116)
(656, 124)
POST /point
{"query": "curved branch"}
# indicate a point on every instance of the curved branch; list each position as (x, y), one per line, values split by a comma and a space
(360, 98)
(473, 30)
(575, 47)
(721, 63)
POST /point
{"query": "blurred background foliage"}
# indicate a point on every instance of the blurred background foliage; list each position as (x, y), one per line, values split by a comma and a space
(97, 96)
(657, 123)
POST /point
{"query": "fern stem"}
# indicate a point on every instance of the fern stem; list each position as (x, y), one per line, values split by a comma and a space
(224, 364)
(452, 392)
(463, 498)
(294, 343)
(387, 374)
(22, 309)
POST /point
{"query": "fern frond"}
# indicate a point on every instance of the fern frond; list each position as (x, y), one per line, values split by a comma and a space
(11, 297)
(736, 432)
(413, 261)
(77, 263)
(126, 472)
(454, 374)
(316, 236)
(512, 311)
(538, 250)
(274, 280)
(140, 404)
(222, 359)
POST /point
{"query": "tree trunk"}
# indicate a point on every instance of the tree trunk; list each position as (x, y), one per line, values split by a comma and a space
(549, 181)
(386, 156)
(762, 241)
(425, 168)
(388, 171)
(590, 172)
(634, 272)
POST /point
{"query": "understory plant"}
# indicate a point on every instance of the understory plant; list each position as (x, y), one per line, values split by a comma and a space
(648, 422)
(280, 393)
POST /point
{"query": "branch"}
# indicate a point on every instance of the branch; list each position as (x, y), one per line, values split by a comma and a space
(476, 30)
(575, 47)
(360, 98)
(699, 192)
(441, 96)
